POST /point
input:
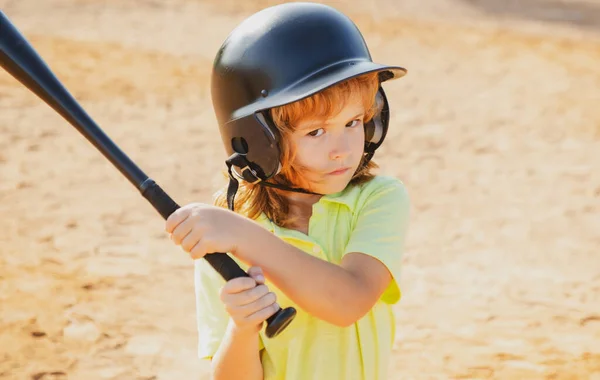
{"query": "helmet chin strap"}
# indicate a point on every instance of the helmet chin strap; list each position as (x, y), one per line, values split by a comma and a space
(248, 174)
(287, 188)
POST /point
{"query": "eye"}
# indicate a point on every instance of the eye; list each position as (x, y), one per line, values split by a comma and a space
(316, 132)
(354, 123)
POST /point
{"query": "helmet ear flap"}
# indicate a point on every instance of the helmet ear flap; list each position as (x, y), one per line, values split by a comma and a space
(376, 128)
(273, 134)
(256, 139)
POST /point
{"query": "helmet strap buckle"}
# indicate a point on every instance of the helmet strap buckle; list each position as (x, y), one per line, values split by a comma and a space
(239, 160)
(253, 174)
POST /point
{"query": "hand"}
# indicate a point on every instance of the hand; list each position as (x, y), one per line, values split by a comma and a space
(201, 229)
(248, 301)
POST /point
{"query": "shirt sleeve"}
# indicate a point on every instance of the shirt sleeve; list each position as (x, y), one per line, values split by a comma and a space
(211, 316)
(380, 230)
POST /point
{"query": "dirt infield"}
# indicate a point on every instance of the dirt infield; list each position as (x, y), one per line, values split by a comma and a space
(495, 131)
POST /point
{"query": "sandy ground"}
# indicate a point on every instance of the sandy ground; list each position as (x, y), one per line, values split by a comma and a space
(495, 131)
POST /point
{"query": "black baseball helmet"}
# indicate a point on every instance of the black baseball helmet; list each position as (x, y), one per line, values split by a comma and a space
(280, 55)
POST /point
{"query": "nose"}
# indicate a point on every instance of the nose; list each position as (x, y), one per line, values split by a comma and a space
(340, 148)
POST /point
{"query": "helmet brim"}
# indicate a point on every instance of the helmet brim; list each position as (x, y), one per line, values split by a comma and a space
(316, 82)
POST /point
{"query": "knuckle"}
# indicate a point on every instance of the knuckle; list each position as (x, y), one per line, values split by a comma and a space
(268, 311)
(273, 308)
(170, 222)
(262, 303)
(185, 241)
(248, 297)
(272, 298)
(261, 290)
(196, 256)
(236, 285)
(247, 283)
(177, 241)
(228, 288)
(196, 249)
(258, 315)
(176, 216)
(267, 300)
(231, 284)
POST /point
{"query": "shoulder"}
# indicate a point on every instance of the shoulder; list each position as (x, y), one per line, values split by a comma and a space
(381, 189)
(382, 183)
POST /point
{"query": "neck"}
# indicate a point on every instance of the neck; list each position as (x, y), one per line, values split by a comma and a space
(301, 208)
(302, 200)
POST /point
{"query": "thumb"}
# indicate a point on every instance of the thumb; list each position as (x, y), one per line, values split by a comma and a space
(257, 274)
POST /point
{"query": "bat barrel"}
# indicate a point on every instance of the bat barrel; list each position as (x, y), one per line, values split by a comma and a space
(20, 60)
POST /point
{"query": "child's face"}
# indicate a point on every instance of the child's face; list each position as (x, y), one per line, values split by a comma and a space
(323, 147)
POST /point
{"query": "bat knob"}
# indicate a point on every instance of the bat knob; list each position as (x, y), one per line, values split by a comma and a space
(277, 322)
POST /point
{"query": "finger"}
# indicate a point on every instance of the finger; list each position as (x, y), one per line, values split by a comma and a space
(257, 274)
(239, 285)
(262, 314)
(198, 251)
(190, 241)
(176, 218)
(181, 231)
(244, 311)
(247, 296)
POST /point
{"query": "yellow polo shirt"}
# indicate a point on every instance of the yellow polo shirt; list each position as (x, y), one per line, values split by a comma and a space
(371, 218)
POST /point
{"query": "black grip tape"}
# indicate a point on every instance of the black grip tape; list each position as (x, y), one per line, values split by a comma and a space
(225, 265)
(157, 197)
(165, 206)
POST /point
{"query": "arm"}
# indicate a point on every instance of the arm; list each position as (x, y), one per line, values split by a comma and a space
(229, 317)
(339, 294)
(238, 356)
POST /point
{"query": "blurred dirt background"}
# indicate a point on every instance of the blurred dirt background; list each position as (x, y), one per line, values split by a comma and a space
(495, 131)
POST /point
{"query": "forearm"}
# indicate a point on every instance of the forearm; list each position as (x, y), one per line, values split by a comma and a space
(238, 357)
(325, 290)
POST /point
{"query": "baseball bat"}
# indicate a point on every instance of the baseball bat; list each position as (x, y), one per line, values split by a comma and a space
(20, 60)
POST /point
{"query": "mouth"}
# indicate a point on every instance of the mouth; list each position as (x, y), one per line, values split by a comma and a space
(339, 171)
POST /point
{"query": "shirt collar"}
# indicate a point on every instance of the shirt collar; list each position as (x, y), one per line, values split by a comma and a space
(346, 197)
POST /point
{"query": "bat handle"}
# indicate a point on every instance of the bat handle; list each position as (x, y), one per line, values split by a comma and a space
(221, 262)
